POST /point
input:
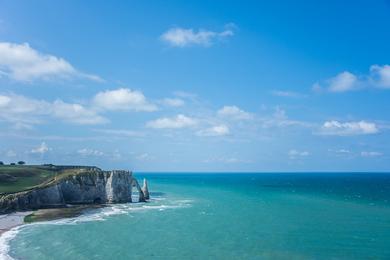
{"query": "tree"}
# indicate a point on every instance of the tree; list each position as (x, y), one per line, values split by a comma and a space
(1, 163)
(12, 163)
(21, 162)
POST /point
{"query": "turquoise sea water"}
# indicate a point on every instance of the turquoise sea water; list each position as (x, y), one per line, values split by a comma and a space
(226, 216)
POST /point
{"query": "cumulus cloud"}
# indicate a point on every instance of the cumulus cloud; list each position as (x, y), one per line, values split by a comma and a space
(218, 130)
(180, 121)
(23, 111)
(293, 154)
(20, 62)
(348, 128)
(343, 151)
(11, 153)
(378, 77)
(173, 102)
(144, 157)
(343, 82)
(41, 149)
(123, 99)
(75, 113)
(184, 94)
(90, 152)
(283, 93)
(234, 112)
(226, 160)
(4, 101)
(120, 132)
(180, 37)
(370, 154)
(279, 119)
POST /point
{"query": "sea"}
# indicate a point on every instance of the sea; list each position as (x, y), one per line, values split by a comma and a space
(225, 216)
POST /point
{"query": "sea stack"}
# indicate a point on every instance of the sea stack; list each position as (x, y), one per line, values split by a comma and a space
(145, 190)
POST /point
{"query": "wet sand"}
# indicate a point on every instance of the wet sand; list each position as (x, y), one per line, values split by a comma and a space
(8, 221)
(11, 220)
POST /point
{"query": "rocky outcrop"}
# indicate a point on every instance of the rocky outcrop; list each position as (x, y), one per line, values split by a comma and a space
(92, 186)
(145, 189)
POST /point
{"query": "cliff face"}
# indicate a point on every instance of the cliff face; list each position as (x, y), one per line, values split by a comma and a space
(84, 188)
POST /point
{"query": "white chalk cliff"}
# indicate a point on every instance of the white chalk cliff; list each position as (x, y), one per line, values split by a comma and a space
(92, 186)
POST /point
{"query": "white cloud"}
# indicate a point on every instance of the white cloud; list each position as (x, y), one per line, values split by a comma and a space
(15, 104)
(380, 75)
(218, 130)
(24, 112)
(75, 113)
(120, 132)
(89, 152)
(180, 37)
(343, 151)
(343, 82)
(283, 93)
(123, 99)
(144, 157)
(180, 121)
(22, 63)
(233, 112)
(41, 149)
(279, 119)
(348, 128)
(173, 102)
(226, 160)
(184, 94)
(371, 154)
(11, 153)
(4, 101)
(293, 154)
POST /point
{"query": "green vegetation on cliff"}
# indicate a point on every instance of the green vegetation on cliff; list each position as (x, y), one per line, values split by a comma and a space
(15, 178)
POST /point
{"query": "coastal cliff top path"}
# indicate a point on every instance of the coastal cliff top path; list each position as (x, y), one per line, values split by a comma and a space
(16, 178)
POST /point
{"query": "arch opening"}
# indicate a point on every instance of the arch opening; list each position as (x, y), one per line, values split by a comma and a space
(97, 201)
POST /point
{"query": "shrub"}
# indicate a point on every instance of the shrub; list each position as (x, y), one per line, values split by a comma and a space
(21, 162)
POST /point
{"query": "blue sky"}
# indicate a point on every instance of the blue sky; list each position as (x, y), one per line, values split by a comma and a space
(196, 86)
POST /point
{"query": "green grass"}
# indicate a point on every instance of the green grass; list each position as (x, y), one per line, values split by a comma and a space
(14, 178)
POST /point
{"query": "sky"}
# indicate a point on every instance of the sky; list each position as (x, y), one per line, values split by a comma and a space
(196, 86)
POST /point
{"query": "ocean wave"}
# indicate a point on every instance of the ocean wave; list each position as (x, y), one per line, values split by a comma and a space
(118, 209)
(157, 204)
(5, 238)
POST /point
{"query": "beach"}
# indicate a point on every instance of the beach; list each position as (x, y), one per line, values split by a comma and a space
(12, 220)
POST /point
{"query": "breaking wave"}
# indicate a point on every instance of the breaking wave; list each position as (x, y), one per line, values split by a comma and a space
(156, 204)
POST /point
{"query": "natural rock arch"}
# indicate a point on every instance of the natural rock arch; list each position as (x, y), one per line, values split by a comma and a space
(141, 195)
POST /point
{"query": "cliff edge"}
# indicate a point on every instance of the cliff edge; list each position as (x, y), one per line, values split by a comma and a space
(75, 186)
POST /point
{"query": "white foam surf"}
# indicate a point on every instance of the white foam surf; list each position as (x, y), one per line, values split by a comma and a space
(155, 204)
(5, 238)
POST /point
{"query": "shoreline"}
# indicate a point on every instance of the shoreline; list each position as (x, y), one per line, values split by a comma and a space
(11, 220)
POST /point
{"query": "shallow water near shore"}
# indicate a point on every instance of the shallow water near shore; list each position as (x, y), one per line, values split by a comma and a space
(225, 216)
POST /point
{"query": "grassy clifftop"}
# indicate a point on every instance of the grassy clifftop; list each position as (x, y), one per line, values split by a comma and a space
(14, 178)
